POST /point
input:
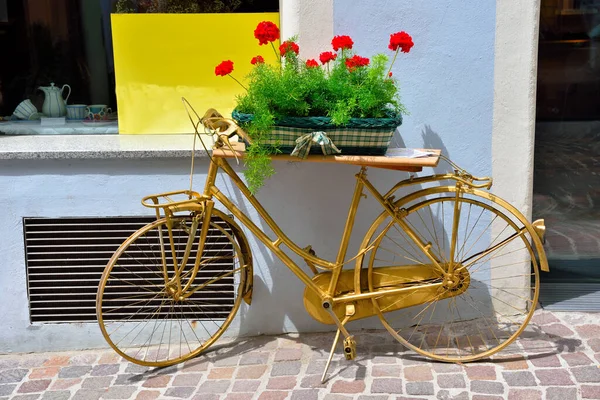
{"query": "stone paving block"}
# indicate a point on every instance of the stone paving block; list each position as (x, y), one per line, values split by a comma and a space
(348, 387)
(83, 359)
(286, 368)
(75, 371)
(559, 330)
(205, 396)
(486, 397)
(446, 368)
(288, 354)
(148, 395)
(594, 343)
(520, 378)
(136, 369)
(97, 382)
(254, 357)
(524, 394)
(227, 361)
(60, 384)
(128, 379)
(281, 383)
(512, 364)
(546, 361)
(157, 381)
(119, 392)
(317, 366)
(385, 385)
(57, 361)
(305, 394)
(561, 393)
(312, 381)
(590, 392)
(544, 318)
(34, 386)
(351, 372)
(246, 386)
(554, 377)
(221, 373)
(186, 379)
(586, 374)
(181, 392)
(6, 390)
(9, 363)
(576, 359)
(450, 381)
(195, 365)
(445, 395)
(32, 362)
(420, 388)
(13, 375)
(253, 372)
(481, 373)
(336, 397)
(233, 396)
(46, 372)
(58, 395)
(109, 358)
(386, 370)
(105, 369)
(385, 360)
(87, 394)
(26, 397)
(218, 386)
(588, 331)
(487, 387)
(272, 395)
(418, 373)
(372, 397)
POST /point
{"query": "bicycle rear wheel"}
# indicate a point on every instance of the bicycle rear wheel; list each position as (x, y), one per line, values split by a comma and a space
(138, 314)
(485, 306)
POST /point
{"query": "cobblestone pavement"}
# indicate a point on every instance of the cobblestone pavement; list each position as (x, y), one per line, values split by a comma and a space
(556, 358)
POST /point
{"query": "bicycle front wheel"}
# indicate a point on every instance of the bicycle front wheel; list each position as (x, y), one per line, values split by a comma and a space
(138, 314)
(482, 306)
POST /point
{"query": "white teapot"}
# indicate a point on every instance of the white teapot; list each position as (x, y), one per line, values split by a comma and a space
(54, 104)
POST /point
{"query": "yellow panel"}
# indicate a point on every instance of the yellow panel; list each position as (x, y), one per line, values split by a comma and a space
(161, 57)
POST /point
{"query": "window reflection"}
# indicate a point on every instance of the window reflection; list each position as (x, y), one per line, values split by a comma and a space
(567, 147)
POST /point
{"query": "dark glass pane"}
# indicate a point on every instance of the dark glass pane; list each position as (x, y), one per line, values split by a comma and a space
(567, 142)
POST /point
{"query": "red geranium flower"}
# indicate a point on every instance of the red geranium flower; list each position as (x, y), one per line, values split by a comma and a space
(257, 60)
(327, 56)
(311, 63)
(342, 42)
(225, 68)
(288, 46)
(401, 40)
(390, 74)
(357, 61)
(266, 32)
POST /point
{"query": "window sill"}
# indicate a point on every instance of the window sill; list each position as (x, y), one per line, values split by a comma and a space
(23, 147)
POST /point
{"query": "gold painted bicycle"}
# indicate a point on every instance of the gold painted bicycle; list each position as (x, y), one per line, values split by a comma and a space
(451, 270)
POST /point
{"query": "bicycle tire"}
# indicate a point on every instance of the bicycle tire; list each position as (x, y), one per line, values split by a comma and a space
(496, 304)
(145, 324)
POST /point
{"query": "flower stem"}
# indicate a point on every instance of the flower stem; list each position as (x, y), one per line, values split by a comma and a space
(392, 64)
(239, 83)
(276, 54)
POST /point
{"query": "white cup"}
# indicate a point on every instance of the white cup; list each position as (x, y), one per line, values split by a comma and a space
(26, 110)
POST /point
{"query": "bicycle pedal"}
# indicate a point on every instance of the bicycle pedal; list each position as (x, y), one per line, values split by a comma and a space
(349, 348)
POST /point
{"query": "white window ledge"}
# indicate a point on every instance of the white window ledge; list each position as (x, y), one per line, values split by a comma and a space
(24, 147)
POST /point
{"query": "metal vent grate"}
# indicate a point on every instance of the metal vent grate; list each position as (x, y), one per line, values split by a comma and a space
(65, 258)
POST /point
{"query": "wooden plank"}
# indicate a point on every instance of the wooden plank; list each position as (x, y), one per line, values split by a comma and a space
(395, 163)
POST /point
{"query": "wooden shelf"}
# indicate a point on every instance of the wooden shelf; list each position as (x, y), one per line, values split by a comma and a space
(395, 163)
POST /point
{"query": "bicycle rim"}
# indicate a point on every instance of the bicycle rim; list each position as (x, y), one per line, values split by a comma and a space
(141, 319)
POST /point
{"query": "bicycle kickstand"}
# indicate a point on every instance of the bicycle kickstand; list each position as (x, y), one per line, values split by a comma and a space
(349, 343)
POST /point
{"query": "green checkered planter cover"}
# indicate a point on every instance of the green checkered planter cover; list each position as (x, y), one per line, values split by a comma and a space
(361, 136)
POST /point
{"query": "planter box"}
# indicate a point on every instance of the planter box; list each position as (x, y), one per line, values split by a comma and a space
(160, 58)
(361, 136)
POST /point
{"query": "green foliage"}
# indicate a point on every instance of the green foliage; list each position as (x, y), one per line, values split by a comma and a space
(292, 89)
(178, 6)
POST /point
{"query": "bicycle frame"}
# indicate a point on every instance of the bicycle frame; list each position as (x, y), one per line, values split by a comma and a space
(211, 191)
